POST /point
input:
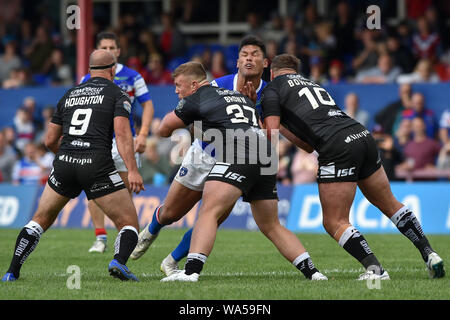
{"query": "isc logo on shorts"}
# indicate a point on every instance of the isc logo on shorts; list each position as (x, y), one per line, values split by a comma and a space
(53, 180)
(329, 171)
(234, 176)
(221, 168)
(346, 172)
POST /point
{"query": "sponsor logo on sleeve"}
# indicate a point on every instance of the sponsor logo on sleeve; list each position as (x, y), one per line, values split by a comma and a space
(180, 104)
(127, 106)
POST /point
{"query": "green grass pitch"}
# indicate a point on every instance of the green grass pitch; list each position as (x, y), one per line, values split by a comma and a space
(243, 266)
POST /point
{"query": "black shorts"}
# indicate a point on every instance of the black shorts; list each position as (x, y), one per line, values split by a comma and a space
(93, 173)
(350, 156)
(248, 178)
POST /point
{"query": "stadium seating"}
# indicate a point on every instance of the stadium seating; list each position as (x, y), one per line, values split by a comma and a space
(231, 55)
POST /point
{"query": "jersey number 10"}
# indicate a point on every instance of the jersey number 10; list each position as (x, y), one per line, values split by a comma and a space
(80, 122)
(318, 91)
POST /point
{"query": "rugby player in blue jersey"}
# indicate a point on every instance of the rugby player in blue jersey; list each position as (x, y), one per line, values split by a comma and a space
(134, 85)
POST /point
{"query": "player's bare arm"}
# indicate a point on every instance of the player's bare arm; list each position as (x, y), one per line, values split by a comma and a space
(52, 138)
(295, 140)
(124, 141)
(147, 117)
(169, 124)
(273, 122)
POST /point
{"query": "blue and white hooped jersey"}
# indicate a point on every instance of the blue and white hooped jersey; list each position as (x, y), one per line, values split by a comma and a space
(26, 172)
(229, 82)
(132, 83)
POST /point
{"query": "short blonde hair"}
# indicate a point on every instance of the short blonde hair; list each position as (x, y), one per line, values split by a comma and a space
(191, 68)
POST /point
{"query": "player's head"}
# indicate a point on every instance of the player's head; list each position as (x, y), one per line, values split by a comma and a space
(188, 77)
(102, 63)
(252, 57)
(284, 63)
(108, 41)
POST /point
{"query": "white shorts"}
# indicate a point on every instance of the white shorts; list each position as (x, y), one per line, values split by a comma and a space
(118, 161)
(195, 168)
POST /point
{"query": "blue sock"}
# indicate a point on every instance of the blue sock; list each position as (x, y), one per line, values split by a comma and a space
(183, 247)
(155, 226)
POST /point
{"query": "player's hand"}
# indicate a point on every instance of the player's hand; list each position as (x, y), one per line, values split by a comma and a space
(140, 143)
(249, 90)
(135, 181)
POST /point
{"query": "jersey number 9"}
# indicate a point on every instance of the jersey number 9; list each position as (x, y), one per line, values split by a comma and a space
(80, 122)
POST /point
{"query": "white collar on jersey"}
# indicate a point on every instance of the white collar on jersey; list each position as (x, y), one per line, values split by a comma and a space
(235, 83)
(119, 67)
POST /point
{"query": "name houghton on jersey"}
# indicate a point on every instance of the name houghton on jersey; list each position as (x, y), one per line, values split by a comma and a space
(79, 101)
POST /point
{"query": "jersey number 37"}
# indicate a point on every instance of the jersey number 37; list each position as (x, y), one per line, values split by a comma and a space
(239, 116)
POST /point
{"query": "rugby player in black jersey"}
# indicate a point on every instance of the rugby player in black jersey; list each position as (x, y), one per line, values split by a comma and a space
(348, 157)
(80, 134)
(237, 172)
(190, 179)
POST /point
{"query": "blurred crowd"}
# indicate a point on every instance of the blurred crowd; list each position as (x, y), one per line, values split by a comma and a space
(414, 143)
(410, 137)
(334, 48)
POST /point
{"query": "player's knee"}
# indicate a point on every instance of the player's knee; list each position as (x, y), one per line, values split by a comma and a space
(127, 220)
(127, 217)
(168, 214)
(330, 225)
(269, 228)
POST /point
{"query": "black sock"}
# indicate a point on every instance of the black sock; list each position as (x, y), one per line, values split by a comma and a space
(125, 243)
(409, 226)
(305, 265)
(194, 263)
(354, 243)
(26, 242)
(371, 263)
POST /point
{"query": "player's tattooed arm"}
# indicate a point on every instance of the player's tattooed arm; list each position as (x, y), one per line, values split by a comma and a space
(53, 137)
